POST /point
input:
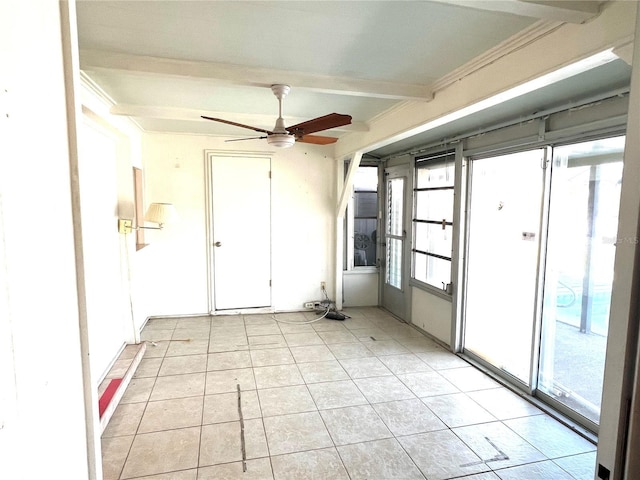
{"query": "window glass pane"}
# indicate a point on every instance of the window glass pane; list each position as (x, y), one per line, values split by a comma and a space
(394, 262)
(436, 174)
(433, 239)
(434, 205)
(365, 223)
(432, 270)
(395, 189)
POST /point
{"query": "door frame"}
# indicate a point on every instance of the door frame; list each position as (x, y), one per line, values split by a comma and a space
(209, 233)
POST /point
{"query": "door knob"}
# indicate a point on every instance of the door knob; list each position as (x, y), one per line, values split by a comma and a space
(218, 244)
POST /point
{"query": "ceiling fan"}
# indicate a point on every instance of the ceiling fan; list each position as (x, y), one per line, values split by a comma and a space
(284, 137)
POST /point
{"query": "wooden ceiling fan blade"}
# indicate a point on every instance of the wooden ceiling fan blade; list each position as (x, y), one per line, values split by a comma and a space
(326, 122)
(228, 122)
(242, 139)
(317, 139)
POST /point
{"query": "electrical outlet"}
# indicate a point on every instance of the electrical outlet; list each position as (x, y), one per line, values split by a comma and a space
(323, 285)
(309, 305)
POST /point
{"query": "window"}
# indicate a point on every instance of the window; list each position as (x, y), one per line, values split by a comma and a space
(433, 219)
(365, 216)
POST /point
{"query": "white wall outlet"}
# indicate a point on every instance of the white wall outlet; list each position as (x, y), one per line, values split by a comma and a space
(309, 305)
(323, 285)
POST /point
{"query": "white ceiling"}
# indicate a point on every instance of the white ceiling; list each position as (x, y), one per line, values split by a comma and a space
(165, 63)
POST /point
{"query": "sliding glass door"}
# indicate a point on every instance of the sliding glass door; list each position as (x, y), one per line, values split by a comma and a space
(583, 222)
(539, 269)
(502, 259)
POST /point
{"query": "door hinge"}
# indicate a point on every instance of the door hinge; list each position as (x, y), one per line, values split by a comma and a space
(269, 173)
(269, 282)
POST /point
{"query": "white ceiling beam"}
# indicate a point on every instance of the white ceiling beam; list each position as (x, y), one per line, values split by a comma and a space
(193, 115)
(251, 76)
(569, 11)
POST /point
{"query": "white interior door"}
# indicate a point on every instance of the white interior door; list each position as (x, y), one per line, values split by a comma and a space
(241, 210)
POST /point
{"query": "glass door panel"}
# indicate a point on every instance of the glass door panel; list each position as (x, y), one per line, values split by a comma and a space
(583, 220)
(395, 231)
(502, 260)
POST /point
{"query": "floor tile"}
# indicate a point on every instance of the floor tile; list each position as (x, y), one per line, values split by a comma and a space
(370, 334)
(153, 335)
(337, 336)
(364, 367)
(170, 414)
(257, 469)
(325, 325)
(534, 471)
(312, 353)
(222, 442)
(442, 360)
(301, 339)
(354, 424)
(183, 364)
(228, 344)
(148, 367)
(497, 445)
(285, 400)
(271, 356)
(259, 319)
(468, 379)
(314, 372)
(114, 454)
(278, 376)
(336, 394)
(504, 404)
(191, 347)
(387, 347)
(296, 433)
(228, 360)
(156, 349)
(289, 328)
(161, 452)
(194, 322)
(269, 329)
(458, 410)
(441, 455)
(125, 420)
(138, 390)
(267, 341)
(550, 436)
(408, 417)
(405, 363)
(483, 476)
(226, 381)
(580, 467)
(419, 344)
(178, 386)
(426, 384)
(380, 459)
(223, 407)
(234, 331)
(193, 333)
(350, 350)
(358, 323)
(311, 465)
(383, 389)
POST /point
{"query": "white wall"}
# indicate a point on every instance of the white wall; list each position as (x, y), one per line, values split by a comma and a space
(171, 273)
(360, 288)
(432, 314)
(43, 428)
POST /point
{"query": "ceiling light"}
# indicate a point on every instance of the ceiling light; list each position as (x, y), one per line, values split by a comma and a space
(281, 140)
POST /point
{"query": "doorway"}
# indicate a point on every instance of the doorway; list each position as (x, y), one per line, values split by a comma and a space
(539, 273)
(240, 236)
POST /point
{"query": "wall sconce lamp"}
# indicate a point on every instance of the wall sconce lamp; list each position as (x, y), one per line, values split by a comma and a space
(159, 213)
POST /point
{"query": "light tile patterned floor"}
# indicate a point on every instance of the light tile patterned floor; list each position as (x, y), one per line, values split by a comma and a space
(367, 398)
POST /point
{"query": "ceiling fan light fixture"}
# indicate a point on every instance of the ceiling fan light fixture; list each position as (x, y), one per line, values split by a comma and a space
(281, 140)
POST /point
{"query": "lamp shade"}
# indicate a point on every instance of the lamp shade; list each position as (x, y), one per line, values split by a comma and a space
(161, 213)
